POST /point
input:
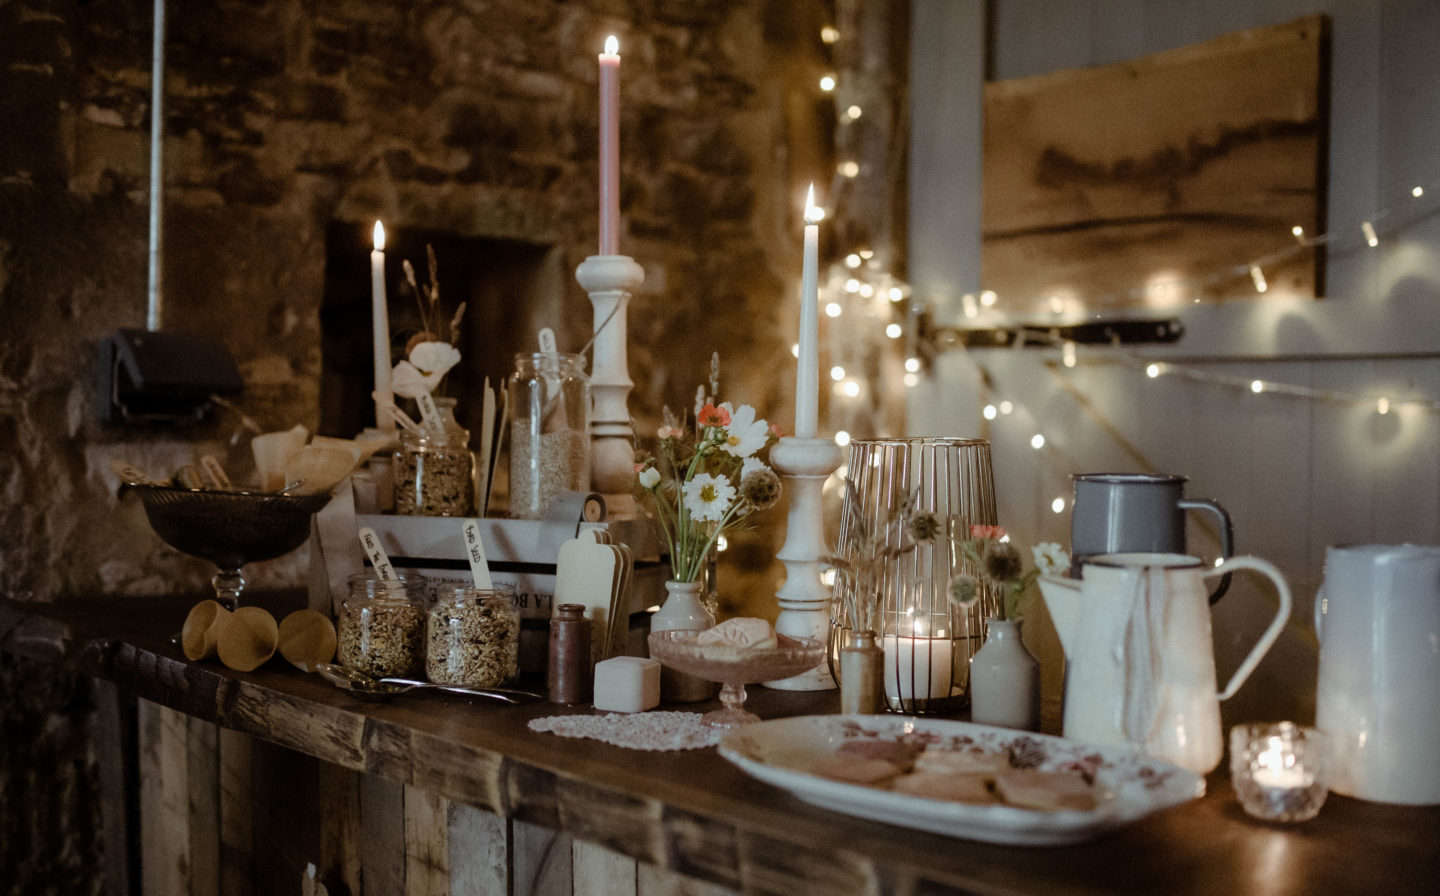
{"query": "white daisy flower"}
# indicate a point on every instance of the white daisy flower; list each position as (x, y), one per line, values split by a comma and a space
(707, 497)
(745, 435)
(1050, 558)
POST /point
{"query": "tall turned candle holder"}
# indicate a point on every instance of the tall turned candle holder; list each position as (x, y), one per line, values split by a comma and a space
(804, 598)
(610, 280)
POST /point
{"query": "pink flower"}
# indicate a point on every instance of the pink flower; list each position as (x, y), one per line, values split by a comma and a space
(710, 415)
(668, 432)
(979, 531)
(776, 431)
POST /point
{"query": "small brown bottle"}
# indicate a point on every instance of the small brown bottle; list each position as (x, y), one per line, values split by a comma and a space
(568, 672)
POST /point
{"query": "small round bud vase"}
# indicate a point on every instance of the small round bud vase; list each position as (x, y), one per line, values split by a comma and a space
(1005, 680)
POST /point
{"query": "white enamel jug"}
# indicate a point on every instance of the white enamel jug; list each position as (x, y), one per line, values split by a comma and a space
(1140, 666)
(1378, 694)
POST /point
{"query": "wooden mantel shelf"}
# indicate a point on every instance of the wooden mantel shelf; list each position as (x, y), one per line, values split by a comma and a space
(695, 814)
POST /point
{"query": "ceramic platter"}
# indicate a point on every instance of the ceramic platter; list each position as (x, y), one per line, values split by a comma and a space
(1133, 785)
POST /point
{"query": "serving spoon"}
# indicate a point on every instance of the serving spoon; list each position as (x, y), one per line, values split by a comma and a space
(369, 688)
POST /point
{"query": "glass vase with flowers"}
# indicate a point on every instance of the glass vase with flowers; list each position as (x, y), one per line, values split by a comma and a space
(700, 482)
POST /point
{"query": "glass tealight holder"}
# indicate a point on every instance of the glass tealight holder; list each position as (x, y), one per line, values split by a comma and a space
(1280, 770)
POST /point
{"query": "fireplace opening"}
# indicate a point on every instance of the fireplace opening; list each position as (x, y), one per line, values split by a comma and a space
(511, 289)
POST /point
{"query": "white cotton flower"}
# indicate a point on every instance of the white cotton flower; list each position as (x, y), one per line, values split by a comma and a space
(649, 478)
(429, 361)
(745, 435)
(708, 497)
(1050, 558)
(434, 358)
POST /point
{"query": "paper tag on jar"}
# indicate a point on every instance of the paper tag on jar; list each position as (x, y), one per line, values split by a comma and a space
(547, 341)
(370, 543)
(475, 553)
(429, 414)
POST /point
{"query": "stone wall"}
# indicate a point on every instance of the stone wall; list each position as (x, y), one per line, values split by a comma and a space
(286, 119)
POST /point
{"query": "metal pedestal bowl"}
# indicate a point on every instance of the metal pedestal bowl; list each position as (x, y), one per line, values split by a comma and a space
(229, 528)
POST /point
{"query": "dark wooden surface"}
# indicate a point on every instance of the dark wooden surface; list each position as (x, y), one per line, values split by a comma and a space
(693, 812)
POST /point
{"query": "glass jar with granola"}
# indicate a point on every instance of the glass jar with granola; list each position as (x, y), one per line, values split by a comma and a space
(434, 470)
(382, 626)
(473, 637)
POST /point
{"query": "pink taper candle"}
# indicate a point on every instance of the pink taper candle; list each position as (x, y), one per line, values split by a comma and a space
(610, 148)
(380, 325)
(807, 375)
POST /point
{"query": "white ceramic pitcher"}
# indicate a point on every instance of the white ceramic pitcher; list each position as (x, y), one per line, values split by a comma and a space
(1140, 665)
(1378, 694)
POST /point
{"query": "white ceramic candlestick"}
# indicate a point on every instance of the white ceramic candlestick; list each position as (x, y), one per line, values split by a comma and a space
(610, 280)
(804, 599)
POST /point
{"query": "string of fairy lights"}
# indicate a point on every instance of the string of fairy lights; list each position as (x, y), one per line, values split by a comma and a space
(871, 312)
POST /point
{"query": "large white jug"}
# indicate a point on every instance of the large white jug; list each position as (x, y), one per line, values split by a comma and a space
(1140, 665)
(1378, 695)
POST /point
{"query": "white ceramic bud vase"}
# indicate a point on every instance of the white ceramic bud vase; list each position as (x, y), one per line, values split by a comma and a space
(682, 611)
(1005, 680)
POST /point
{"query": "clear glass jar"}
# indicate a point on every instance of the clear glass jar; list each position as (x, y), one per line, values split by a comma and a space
(549, 431)
(434, 470)
(474, 637)
(382, 626)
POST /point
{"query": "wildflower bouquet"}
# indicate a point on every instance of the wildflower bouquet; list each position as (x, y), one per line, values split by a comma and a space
(1001, 569)
(704, 482)
(429, 355)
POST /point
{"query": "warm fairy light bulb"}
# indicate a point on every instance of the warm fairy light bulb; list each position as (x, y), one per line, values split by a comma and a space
(1299, 233)
(867, 291)
(849, 168)
(1154, 370)
(1058, 505)
(894, 330)
(829, 34)
(853, 285)
(1057, 305)
(867, 254)
(1417, 192)
(968, 306)
(795, 349)
(827, 576)
(1257, 386)
(1037, 441)
(896, 293)
(1370, 237)
(1258, 276)
(721, 543)
(842, 438)
(852, 261)
(837, 373)
(827, 83)
(833, 309)
(850, 388)
(1006, 407)
(912, 380)
(1067, 354)
(852, 113)
(912, 365)
(989, 298)
(989, 412)
(1382, 406)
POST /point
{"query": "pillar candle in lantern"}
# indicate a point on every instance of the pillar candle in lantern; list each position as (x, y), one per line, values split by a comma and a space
(807, 371)
(380, 324)
(917, 668)
(610, 148)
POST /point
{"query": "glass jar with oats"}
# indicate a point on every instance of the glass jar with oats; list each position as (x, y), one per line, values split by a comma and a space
(382, 626)
(549, 431)
(434, 469)
(473, 637)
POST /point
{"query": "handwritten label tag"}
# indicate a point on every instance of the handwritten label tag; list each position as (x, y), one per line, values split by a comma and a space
(547, 341)
(216, 473)
(370, 543)
(403, 419)
(475, 553)
(429, 414)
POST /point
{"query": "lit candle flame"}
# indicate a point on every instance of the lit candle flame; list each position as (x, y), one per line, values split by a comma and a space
(612, 46)
(813, 212)
(379, 237)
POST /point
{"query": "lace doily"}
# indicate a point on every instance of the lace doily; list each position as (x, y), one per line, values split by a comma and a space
(637, 731)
